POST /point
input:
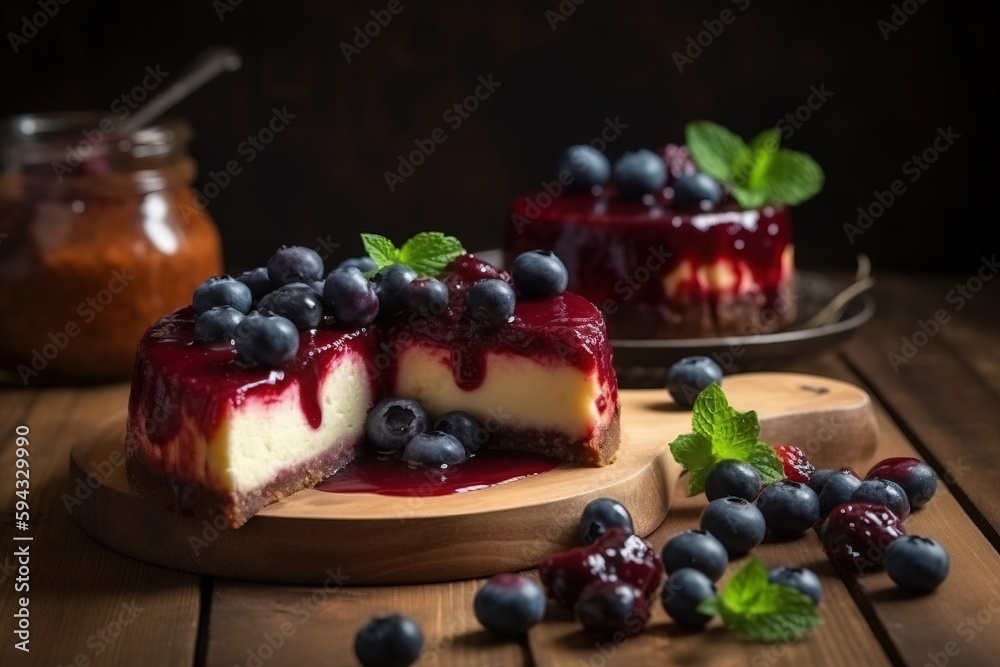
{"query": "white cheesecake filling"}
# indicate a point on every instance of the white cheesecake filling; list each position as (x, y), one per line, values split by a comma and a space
(264, 435)
(517, 391)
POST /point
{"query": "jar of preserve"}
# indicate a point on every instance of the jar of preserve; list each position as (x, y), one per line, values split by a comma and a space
(101, 234)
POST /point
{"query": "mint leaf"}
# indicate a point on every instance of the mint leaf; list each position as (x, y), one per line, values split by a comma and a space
(735, 434)
(765, 611)
(791, 178)
(709, 403)
(756, 174)
(694, 452)
(715, 149)
(763, 457)
(380, 249)
(748, 198)
(428, 253)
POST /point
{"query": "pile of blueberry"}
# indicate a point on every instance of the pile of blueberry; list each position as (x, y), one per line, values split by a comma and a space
(640, 173)
(399, 428)
(609, 580)
(263, 310)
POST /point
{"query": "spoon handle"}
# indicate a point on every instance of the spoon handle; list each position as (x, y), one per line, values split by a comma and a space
(209, 65)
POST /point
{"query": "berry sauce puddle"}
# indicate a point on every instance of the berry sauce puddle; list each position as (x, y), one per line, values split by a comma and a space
(394, 478)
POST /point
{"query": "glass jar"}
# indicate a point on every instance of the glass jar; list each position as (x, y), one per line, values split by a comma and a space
(101, 234)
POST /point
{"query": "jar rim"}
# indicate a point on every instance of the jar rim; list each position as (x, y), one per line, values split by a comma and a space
(35, 138)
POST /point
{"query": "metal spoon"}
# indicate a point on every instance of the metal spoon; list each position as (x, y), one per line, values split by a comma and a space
(206, 67)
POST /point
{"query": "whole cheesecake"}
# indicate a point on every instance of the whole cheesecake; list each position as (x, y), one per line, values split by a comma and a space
(209, 433)
(689, 241)
(657, 270)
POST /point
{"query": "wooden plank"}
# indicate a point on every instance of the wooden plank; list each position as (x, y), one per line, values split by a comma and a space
(923, 629)
(298, 625)
(942, 404)
(87, 604)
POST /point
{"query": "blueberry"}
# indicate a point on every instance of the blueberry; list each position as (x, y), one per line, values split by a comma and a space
(916, 563)
(363, 264)
(687, 377)
(610, 609)
(318, 286)
(434, 449)
(389, 283)
(586, 166)
(819, 479)
(389, 641)
(699, 190)
(639, 173)
(217, 324)
(350, 297)
(426, 296)
(297, 302)
(698, 550)
(918, 479)
(509, 604)
(222, 291)
(837, 490)
(294, 264)
(393, 422)
(463, 426)
(265, 339)
(601, 514)
(490, 302)
(539, 273)
(683, 591)
(883, 492)
(736, 522)
(789, 508)
(730, 477)
(257, 281)
(800, 578)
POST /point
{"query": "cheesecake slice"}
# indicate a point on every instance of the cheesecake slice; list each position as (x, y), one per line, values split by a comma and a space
(207, 434)
(543, 383)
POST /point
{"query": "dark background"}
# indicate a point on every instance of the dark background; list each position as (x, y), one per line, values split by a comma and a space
(324, 174)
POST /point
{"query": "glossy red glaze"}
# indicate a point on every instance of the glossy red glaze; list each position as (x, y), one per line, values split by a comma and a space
(367, 474)
(619, 252)
(212, 378)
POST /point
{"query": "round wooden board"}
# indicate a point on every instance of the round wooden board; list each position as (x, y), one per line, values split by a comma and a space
(360, 538)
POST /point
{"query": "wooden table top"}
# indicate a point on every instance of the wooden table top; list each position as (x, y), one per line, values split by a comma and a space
(91, 606)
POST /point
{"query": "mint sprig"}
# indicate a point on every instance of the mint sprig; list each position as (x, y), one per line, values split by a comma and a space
(720, 432)
(757, 174)
(761, 610)
(427, 253)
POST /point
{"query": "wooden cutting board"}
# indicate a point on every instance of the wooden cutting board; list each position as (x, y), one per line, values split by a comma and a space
(316, 537)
